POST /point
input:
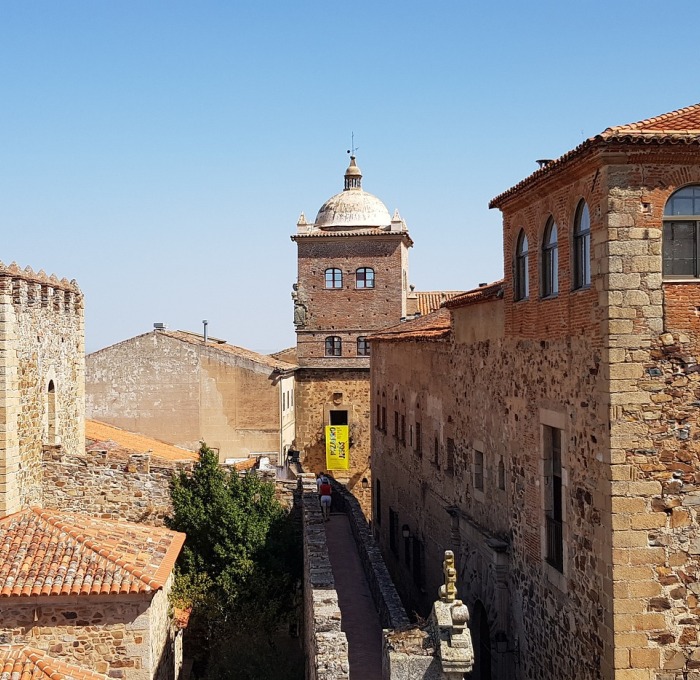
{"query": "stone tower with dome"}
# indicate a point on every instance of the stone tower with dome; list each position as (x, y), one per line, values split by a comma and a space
(352, 281)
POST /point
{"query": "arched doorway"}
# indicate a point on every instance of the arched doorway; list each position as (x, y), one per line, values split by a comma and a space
(481, 639)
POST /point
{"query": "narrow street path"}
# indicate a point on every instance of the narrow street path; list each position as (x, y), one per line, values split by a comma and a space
(360, 621)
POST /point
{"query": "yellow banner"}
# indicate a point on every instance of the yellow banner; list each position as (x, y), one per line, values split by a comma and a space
(337, 447)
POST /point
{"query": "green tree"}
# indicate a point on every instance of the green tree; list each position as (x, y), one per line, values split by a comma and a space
(240, 564)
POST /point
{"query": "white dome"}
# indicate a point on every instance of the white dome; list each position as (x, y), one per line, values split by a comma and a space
(353, 208)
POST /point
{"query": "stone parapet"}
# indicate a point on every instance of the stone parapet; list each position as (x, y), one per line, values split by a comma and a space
(325, 643)
(391, 611)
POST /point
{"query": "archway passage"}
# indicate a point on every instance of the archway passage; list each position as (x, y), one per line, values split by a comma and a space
(481, 637)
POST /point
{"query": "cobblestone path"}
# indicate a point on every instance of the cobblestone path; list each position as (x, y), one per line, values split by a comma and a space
(360, 621)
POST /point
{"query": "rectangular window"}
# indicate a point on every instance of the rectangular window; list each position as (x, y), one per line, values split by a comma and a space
(407, 551)
(479, 470)
(680, 249)
(394, 531)
(553, 497)
(339, 417)
(384, 419)
(450, 464)
(419, 440)
(436, 452)
(403, 429)
(396, 424)
(378, 502)
(378, 423)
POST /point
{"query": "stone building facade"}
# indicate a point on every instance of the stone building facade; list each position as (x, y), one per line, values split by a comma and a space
(558, 454)
(42, 369)
(352, 280)
(183, 389)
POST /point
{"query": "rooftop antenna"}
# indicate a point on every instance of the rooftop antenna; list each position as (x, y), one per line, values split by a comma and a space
(353, 149)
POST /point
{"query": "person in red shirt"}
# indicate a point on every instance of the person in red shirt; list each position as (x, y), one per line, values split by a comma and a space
(325, 490)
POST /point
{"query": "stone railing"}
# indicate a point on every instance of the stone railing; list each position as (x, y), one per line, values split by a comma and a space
(325, 645)
(386, 600)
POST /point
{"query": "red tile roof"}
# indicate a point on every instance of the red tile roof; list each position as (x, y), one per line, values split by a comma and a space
(45, 552)
(490, 291)
(429, 301)
(435, 326)
(18, 662)
(105, 437)
(676, 127)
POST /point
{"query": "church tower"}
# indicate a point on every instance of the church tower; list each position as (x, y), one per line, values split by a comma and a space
(352, 281)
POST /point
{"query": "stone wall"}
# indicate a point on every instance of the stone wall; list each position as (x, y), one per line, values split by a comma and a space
(42, 380)
(492, 398)
(107, 633)
(326, 646)
(172, 386)
(113, 485)
(317, 393)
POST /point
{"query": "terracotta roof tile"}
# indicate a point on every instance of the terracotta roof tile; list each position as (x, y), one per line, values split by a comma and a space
(435, 326)
(490, 291)
(429, 301)
(681, 126)
(109, 438)
(219, 346)
(45, 552)
(18, 662)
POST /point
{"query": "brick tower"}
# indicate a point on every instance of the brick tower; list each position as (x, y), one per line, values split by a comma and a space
(352, 281)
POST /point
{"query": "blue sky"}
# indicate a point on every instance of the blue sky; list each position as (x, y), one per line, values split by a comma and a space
(161, 152)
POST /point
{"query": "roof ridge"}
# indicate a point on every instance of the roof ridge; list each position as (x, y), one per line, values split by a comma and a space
(653, 119)
(91, 544)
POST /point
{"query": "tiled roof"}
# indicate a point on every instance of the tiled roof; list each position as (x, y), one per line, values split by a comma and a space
(289, 354)
(676, 127)
(490, 291)
(429, 301)
(263, 359)
(109, 438)
(684, 121)
(18, 662)
(435, 326)
(45, 552)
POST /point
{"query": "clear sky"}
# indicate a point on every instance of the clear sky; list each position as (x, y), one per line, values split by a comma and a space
(161, 152)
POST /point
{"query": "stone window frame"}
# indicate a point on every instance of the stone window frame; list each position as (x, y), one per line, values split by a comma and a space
(478, 447)
(335, 344)
(521, 268)
(501, 477)
(549, 257)
(692, 218)
(581, 247)
(556, 420)
(366, 280)
(335, 280)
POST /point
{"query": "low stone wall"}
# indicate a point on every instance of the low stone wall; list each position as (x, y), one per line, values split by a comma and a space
(129, 487)
(326, 646)
(391, 611)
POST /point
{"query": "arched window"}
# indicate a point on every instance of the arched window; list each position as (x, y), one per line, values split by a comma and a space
(522, 282)
(680, 235)
(334, 278)
(334, 346)
(364, 277)
(550, 260)
(51, 413)
(582, 246)
(362, 346)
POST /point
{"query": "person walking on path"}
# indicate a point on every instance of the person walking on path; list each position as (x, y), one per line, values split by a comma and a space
(325, 490)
